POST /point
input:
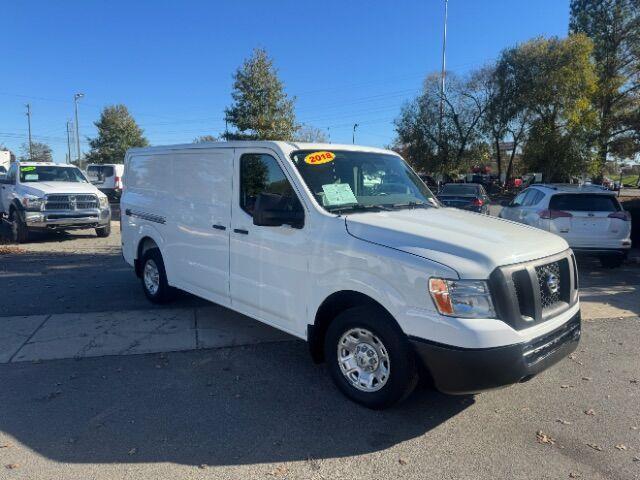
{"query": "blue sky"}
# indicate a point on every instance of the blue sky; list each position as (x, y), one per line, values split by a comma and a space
(171, 63)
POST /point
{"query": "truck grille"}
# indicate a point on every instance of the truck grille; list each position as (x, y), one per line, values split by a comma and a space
(71, 202)
(532, 292)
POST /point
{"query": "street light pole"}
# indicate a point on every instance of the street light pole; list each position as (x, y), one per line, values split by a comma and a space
(353, 138)
(68, 143)
(28, 105)
(443, 73)
(76, 97)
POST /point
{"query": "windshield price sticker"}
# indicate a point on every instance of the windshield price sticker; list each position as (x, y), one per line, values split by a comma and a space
(27, 169)
(318, 158)
(338, 194)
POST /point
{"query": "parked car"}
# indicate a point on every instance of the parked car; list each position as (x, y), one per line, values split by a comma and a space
(467, 196)
(589, 218)
(49, 196)
(345, 247)
(430, 182)
(107, 177)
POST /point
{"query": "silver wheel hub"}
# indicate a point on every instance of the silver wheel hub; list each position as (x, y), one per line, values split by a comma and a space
(151, 277)
(363, 360)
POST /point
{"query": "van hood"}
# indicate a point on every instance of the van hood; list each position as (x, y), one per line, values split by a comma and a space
(469, 243)
(47, 188)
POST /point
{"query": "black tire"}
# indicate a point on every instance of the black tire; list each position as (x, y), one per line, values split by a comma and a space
(402, 377)
(104, 231)
(19, 230)
(164, 293)
(613, 261)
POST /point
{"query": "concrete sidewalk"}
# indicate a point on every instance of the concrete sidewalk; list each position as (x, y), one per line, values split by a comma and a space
(77, 335)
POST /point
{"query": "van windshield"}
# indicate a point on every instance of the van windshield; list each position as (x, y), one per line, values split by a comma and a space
(50, 173)
(358, 181)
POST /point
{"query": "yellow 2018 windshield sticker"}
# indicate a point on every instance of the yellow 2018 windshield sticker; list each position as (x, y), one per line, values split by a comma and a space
(318, 158)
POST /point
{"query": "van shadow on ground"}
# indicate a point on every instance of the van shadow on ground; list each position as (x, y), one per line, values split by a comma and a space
(264, 403)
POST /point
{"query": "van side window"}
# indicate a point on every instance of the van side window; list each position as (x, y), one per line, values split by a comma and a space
(11, 175)
(260, 173)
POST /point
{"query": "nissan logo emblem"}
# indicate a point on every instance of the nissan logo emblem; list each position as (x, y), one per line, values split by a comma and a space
(553, 283)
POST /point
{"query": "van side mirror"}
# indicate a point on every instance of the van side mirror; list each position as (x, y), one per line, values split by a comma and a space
(273, 210)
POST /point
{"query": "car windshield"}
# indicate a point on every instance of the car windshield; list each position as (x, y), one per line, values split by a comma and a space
(357, 181)
(584, 202)
(459, 189)
(50, 173)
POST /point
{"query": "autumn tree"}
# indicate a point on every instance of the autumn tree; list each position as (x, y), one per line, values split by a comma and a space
(552, 80)
(614, 28)
(117, 132)
(261, 109)
(205, 138)
(307, 133)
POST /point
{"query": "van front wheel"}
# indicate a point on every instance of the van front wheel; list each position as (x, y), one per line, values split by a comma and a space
(369, 358)
(154, 278)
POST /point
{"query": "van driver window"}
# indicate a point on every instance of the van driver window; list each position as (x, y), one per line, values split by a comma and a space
(261, 173)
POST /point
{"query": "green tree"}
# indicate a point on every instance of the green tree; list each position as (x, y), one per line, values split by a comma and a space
(41, 152)
(117, 132)
(553, 81)
(261, 109)
(614, 28)
(205, 138)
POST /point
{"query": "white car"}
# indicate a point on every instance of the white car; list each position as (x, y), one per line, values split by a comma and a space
(589, 218)
(346, 248)
(107, 177)
(49, 196)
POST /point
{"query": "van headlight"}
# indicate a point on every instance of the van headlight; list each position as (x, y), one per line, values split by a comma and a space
(32, 203)
(462, 298)
(104, 202)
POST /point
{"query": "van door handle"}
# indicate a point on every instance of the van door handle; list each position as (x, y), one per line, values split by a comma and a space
(219, 227)
(241, 230)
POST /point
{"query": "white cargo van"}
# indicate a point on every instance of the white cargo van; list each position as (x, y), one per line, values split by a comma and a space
(345, 247)
(107, 177)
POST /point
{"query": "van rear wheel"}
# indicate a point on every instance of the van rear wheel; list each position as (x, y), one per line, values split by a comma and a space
(369, 358)
(154, 278)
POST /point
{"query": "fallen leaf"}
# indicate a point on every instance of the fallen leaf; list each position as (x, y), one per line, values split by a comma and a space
(563, 422)
(587, 379)
(574, 475)
(202, 466)
(591, 412)
(636, 459)
(544, 438)
(402, 461)
(621, 446)
(12, 466)
(133, 451)
(5, 445)
(565, 386)
(594, 446)
(279, 471)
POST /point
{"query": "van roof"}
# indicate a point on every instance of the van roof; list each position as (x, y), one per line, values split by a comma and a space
(285, 146)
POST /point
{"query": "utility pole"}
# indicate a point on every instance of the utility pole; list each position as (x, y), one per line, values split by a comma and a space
(353, 138)
(28, 105)
(443, 74)
(68, 143)
(76, 97)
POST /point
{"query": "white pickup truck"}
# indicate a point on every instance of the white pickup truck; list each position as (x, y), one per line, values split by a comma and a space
(49, 196)
(346, 248)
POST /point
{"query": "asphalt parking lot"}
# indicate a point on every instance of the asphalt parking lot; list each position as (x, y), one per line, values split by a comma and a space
(98, 383)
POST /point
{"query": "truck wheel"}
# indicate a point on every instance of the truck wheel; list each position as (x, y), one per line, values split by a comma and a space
(369, 358)
(104, 231)
(154, 278)
(19, 230)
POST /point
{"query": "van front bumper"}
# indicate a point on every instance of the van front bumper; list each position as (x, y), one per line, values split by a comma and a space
(458, 370)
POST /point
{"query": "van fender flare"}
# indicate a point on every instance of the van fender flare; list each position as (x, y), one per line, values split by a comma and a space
(144, 232)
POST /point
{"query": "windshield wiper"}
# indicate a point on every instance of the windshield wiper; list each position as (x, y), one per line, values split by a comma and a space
(360, 208)
(412, 205)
